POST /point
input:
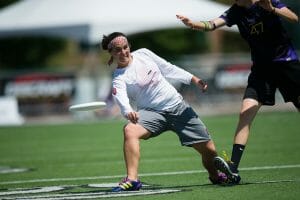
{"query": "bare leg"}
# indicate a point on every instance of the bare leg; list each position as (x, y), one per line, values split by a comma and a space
(132, 134)
(248, 112)
(208, 152)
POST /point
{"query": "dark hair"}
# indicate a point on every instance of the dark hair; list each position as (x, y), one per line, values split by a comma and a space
(106, 39)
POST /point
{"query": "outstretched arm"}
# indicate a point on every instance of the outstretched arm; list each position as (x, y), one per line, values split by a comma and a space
(283, 12)
(202, 25)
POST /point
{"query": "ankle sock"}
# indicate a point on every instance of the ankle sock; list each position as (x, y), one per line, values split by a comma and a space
(237, 152)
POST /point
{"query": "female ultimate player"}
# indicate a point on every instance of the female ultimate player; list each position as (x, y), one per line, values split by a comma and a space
(140, 79)
(275, 64)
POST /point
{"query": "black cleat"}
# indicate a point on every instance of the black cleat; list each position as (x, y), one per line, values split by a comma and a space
(223, 166)
(221, 180)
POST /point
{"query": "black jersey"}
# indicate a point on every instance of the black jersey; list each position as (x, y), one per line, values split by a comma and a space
(263, 31)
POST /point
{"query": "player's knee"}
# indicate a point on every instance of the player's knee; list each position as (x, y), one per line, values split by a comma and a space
(129, 131)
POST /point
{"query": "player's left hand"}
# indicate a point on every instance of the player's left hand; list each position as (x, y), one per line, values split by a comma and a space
(203, 85)
(266, 4)
(199, 83)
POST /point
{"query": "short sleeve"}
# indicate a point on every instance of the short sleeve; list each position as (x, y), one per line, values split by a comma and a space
(229, 16)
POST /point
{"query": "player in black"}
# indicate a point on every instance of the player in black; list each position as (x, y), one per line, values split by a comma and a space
(275, 64)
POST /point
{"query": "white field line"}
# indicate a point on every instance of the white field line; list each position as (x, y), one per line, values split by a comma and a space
(143, 175)
(94, 195)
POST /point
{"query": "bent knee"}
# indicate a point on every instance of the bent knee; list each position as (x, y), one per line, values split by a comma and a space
(128, 130)
(135, 131)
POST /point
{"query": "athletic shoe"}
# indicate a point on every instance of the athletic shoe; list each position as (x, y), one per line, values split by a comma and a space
(127, 185)
(223, 166)
(221, 180)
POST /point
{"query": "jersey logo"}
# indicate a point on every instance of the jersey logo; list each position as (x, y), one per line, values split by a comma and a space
(257, 28)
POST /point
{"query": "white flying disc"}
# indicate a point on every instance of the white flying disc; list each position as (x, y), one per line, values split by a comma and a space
(96, 105)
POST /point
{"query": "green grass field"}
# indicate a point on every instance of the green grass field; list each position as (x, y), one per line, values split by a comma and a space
(69, 158)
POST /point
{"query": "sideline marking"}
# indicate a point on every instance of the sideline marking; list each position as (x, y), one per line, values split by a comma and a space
(93, 195)
(33, 190)
(145, 175)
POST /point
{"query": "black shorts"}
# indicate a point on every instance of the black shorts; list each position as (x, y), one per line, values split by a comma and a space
(262, 84)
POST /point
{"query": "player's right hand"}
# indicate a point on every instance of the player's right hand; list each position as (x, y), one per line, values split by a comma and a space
(133, 117)
(185, 20)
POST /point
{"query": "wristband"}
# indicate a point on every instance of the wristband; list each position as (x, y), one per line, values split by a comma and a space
(209, 25)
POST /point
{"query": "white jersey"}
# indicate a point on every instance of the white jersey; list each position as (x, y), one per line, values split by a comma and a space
(143, 83)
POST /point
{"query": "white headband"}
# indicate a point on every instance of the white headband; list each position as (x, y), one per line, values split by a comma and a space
(119, 40)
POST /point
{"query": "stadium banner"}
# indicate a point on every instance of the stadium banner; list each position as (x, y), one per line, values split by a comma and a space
(232, 77)
(40, 93)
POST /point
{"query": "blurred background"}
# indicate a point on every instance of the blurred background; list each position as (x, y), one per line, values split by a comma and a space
(50, 55)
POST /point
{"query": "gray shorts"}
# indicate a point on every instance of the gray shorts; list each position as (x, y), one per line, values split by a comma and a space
(182, 120)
